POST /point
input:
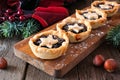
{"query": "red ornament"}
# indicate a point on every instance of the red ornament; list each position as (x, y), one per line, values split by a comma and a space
(20, 12)
(8, 11)
(11, 18)
(22, 18)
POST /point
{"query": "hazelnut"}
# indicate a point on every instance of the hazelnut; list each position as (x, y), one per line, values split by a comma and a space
(110, 65)
(98, 60)
(3, 63)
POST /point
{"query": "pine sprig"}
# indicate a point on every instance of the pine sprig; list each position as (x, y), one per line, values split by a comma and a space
(24, 29)
(30, 27)
(7, 29)
(114, 36)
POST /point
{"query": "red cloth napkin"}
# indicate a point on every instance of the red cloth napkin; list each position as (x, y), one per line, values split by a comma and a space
(52, 9)
(50, 15)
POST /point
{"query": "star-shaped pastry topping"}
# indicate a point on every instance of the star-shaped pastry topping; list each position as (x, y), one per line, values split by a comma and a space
(105, 6)
(91, 15)
(49, 41)
(75, 27)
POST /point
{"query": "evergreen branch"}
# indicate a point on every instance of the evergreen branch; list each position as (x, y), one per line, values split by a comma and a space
(7, 29)
(114, 36)
(24, 29)
(30, 27)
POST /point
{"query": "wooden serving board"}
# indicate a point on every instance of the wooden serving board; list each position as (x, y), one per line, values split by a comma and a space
(75, 52)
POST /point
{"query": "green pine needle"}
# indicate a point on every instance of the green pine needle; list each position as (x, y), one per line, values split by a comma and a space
(114, 36)
(24, 29)
(31, 26)
(7, 29)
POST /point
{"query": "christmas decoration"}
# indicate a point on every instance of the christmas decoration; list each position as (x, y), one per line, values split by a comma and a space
(19, 18)
(114, 36)
(31, 26)
(50, 15)
(18, 28)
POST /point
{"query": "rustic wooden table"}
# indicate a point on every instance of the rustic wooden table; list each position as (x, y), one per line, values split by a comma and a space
(20, 70)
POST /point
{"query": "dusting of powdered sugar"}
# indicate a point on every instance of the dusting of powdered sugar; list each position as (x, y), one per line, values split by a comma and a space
(92, 35)
(99, 33)
(71, 51)
(83, 45)
(61, 64)
(76, 47)
(74, 55)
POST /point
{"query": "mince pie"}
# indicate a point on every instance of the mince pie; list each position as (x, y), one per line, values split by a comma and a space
(110, 8)
(49, 44)
(96, 18)
(76, 30)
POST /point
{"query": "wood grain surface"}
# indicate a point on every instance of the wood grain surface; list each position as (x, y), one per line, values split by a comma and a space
(16, 66)
(75, 52)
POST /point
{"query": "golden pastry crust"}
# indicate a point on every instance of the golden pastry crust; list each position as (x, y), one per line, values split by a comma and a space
(49, 53)
(73, 37)
(109, 12)
(94, 23)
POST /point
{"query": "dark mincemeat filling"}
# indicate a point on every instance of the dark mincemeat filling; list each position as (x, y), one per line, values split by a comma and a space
(99, 16)
(65, 27)
(58, 44)
(98, 5)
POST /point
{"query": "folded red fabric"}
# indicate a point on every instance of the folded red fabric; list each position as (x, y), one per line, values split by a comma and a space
(52, 9)
(49, 16)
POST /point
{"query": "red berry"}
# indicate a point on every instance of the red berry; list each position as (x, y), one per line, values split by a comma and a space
(11, 18)
(20, 12)
(22, 18)
(3, 18)
(98, 60)
(3, 63)
(8, 11)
